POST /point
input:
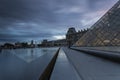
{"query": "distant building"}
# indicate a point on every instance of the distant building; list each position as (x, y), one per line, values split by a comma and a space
(32, 45)
(22, 45)
(18, 45)
(72, 35)
(8, 46)
(61, 42)
(46, 43)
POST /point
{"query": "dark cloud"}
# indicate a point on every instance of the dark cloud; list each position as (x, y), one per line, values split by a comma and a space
(39, 19)
(25, 10)
(101, 4)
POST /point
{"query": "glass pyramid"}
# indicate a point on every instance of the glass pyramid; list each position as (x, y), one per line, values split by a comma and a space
(105, 32)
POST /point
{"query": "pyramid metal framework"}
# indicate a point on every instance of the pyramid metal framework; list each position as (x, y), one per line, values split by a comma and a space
(105, 32)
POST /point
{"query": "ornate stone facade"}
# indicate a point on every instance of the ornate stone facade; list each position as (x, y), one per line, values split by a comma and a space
(71, 37)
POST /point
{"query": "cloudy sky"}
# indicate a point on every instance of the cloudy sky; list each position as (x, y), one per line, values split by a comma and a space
(26, 20)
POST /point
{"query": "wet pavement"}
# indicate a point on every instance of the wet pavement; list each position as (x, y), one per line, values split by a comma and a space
(93, 68)
(63, 69)
(104, 48)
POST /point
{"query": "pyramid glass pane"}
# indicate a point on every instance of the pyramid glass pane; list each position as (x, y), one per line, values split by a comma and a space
(105, 32)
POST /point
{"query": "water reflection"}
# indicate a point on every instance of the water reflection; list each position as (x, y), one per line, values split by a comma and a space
(32, 54)
(24, 64)
(28, 55)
